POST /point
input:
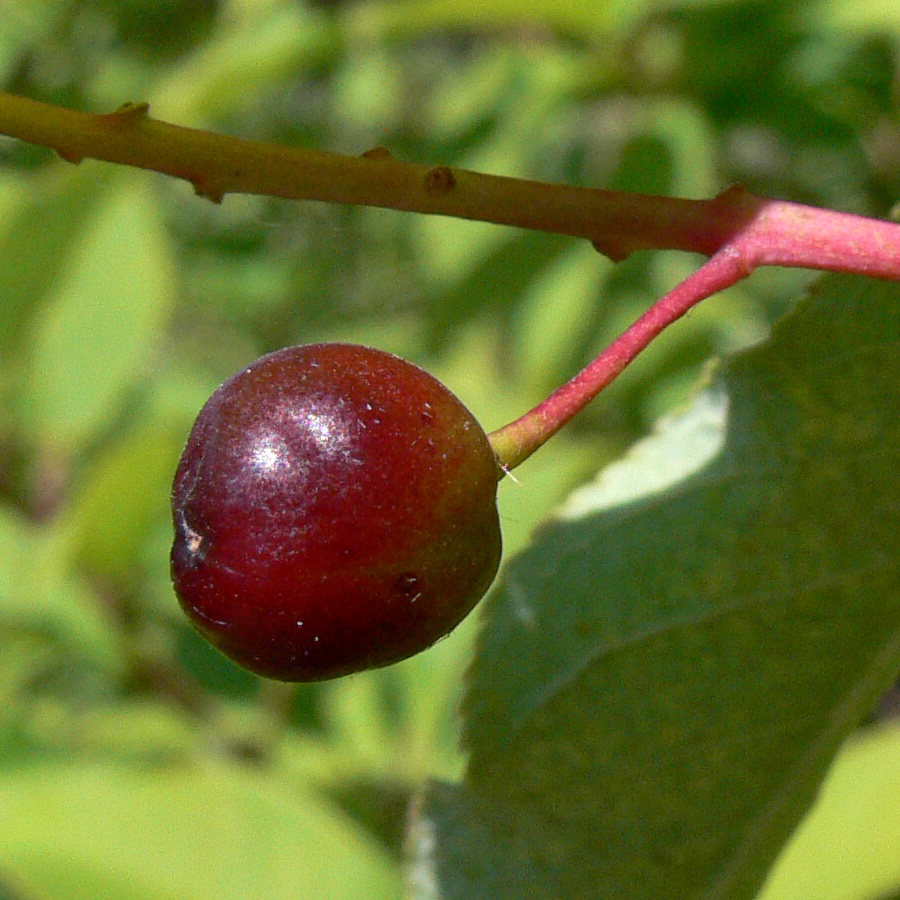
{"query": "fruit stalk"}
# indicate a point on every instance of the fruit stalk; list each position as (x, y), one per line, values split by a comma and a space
(515, 442)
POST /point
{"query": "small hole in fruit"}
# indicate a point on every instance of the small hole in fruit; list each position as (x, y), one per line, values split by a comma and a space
(408, 585)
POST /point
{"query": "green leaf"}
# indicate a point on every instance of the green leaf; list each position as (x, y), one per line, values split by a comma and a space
(80, 832)
(94, 335)
(846, 848)
(41, 220)
(496, 284)
(107, 531)
(404, 17)
(850, 15)
(664, 677)
(39, 595)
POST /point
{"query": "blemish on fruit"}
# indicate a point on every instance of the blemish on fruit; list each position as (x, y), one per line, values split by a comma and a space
(193, 540)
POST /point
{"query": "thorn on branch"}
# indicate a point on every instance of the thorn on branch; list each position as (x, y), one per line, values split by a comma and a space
(208, 189)
(439, 181)
(733, 195)
(68, 156)
(614, 249)
(130, 112)
(377, 153)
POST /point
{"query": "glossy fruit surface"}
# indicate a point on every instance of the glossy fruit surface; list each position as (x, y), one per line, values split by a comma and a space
(334, 511)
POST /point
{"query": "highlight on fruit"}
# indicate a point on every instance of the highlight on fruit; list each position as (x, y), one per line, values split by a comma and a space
(334, 511)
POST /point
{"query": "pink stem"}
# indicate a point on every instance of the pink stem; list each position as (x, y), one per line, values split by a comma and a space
(515, 442)
(774, 233)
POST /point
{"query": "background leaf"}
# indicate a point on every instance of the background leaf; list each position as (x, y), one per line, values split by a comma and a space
(87, 831)
(39, 231)
(96, 330)
(846, 849)
(107, 533)
(578, 17)
(39, 595)
(621, 718)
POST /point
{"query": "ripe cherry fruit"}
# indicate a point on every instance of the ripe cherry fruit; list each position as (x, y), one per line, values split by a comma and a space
(335, 510)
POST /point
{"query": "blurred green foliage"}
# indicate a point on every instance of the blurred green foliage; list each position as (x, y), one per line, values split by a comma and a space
(124, 300)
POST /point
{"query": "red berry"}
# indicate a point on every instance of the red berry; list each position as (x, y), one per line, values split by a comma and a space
(335, 510)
